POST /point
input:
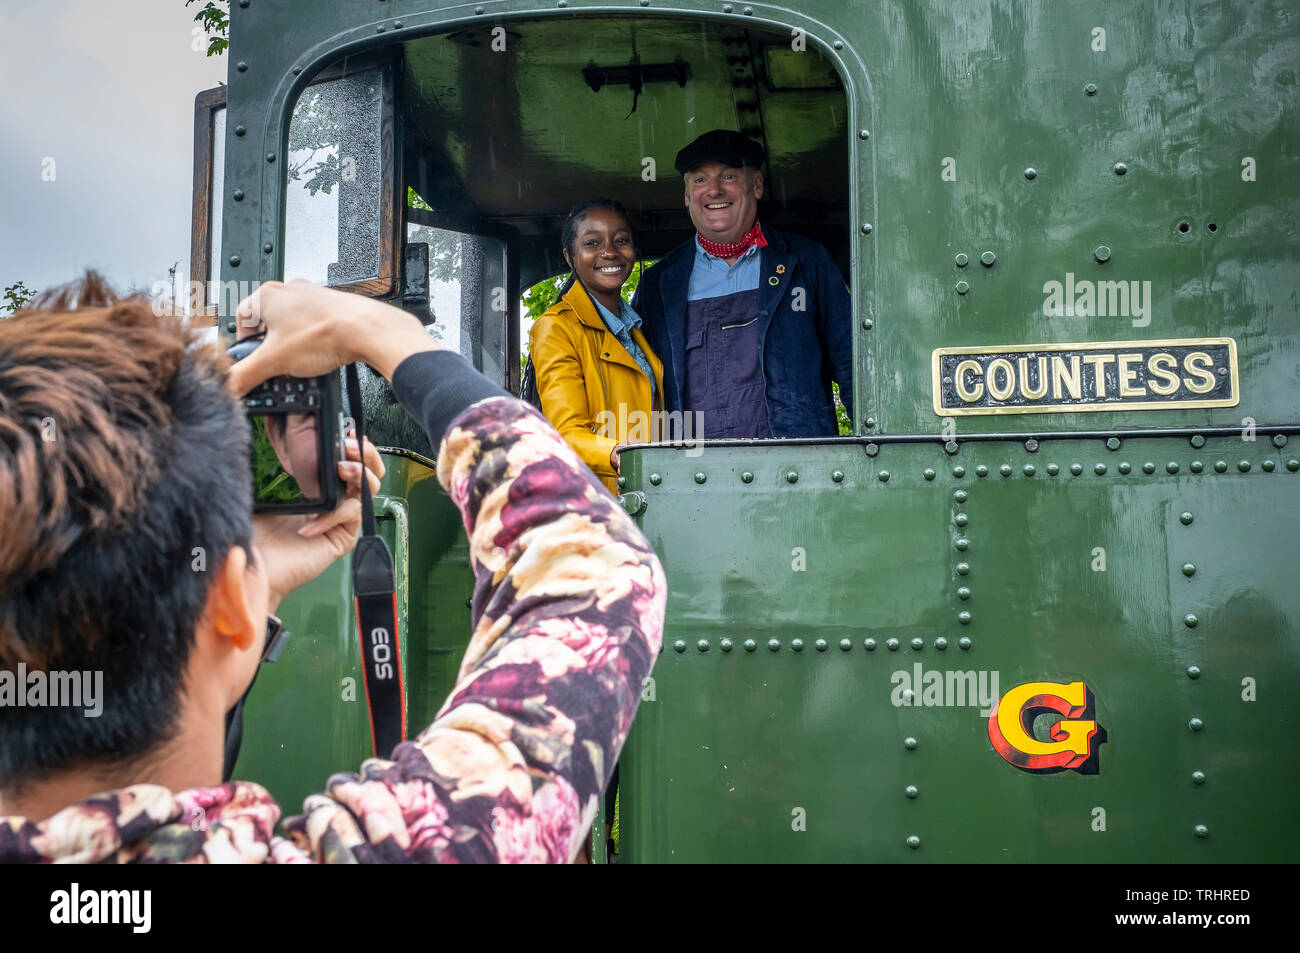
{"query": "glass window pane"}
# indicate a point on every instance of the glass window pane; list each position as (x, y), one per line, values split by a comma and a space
(214, 205)
(335, 170)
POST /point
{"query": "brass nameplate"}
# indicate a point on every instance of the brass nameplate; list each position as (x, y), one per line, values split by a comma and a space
(1081, 378)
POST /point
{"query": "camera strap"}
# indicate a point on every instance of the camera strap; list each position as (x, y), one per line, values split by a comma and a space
(376, 598)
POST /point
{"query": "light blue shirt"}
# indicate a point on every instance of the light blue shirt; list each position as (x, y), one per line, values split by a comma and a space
(712, 277)
(621, 326)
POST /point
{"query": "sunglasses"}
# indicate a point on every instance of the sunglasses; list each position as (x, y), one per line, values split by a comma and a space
(276, 637)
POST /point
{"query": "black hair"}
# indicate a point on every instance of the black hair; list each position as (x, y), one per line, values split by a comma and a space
(115, 518)
(569, 234)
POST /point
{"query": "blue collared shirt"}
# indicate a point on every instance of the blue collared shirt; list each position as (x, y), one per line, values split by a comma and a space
(712, 277)
(621, 326)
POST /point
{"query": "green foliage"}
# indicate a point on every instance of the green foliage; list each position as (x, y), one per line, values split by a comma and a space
(841, 415)
(215, 22)
(273, 484)
(16, 296)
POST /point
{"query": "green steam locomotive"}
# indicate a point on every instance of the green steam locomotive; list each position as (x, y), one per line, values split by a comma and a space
(1040, 605)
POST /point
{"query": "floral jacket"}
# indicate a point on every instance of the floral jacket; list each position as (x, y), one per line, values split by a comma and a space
(569, 605)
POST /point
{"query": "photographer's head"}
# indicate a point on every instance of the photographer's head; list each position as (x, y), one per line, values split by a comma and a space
(126, 509)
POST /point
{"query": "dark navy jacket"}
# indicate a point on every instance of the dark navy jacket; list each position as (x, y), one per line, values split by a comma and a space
(803, 351)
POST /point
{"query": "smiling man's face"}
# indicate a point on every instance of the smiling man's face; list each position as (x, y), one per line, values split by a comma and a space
(723, 200)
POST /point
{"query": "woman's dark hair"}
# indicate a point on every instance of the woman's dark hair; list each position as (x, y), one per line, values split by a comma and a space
(569, 234)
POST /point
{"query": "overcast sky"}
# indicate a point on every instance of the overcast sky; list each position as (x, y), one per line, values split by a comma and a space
(106, 91)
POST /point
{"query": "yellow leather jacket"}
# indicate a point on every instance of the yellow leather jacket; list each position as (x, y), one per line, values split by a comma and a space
(592, 390)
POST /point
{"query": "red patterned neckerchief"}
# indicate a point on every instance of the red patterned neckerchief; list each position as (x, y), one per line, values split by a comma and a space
(733, 249)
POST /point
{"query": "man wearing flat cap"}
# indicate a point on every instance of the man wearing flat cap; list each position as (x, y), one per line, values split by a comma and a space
(752, 324)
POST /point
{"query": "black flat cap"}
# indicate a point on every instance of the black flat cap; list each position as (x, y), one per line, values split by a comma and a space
(720, 145)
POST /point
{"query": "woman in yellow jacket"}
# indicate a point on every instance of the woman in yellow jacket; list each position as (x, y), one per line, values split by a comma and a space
(600, 384)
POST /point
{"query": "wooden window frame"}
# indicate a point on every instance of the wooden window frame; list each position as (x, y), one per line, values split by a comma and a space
(206, 105)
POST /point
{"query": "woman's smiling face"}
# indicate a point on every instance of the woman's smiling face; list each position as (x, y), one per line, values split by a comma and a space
(602, 255)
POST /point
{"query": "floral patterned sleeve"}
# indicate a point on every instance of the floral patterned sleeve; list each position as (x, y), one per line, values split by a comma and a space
(568, 617)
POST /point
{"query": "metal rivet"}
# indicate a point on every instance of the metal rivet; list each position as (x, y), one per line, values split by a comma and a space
(1220, 466)
(478, 10)
(1053, 469)
(1031, 173)
(270, 157)
(750, 645)
(838, 44)
(941, 643)
(1113, 443)
(796, 644)
(964, 617)
(1031, 445)
(241, 130)
(963, 592)
(700, 477)
(869, 422)
(1198, 777)
(961, 258)
(951, 447)
(891, 644)
(1099, 469)
(1268, 466)
(1190, 620)
(268, 247)
(837, 476)
(914, 842)
(961, 496)
(680, 645)
(1171, 466)
(1196, 724)
(1124, 467)
(297, 71)
(1091, 89)
(380, 27)
(645, 3)
(241, 67)
(1148, 467)
(820, 645)
(964, 642)
(726, 645)
(243, 3)
(702, 645)
(871, 449)
(748, 11)
(235, 260)
(655, 479)
(1196, 466)
(1119, 168)
(1029, 469)
(1005, 469)
(1076, 469)
(747, 477)
(1197, 441)
(237, 195)
(918, 644)
(981, 470)
(868, 324)
(1201, 830)
(883, 476)
(864, 134)
(622, 482)
(791, 476)
(987, 259)
(962, 544)
(1185, 518)
(963, 569)
(869, 644)
(911, 790)
(866, 228)
(773, 645)
(959, 471)
(1193, 672)
(909, 743)
(1243, 466)
(928, 473)
(398, 24)
(1189, 569)
(846, 645)
(961, 519)
(562, 3)
(1279, 440)
(962, 287)
(1293, 464)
